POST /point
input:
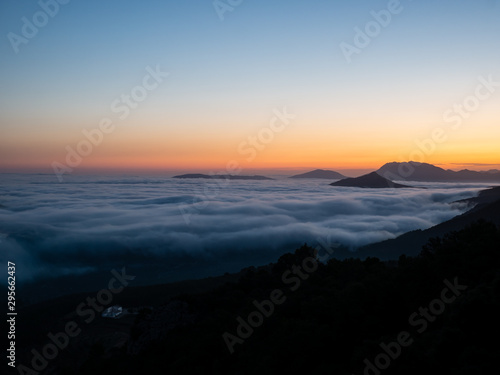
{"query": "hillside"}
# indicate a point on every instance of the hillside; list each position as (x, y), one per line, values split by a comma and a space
(369, 181)
(411, 243)
(335, 319)
(413, 171)
(321, 173)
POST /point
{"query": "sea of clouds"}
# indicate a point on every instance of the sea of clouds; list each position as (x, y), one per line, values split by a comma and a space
(92, 223)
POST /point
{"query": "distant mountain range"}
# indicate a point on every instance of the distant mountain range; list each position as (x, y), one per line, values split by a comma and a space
(222, 177)
(487, 207)
(321, 173)
(371, 180)
(413, 171)
(407, 171)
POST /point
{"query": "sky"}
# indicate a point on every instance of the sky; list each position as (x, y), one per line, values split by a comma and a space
(248, 85)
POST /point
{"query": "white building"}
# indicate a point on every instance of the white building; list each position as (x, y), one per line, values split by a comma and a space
(113, 312)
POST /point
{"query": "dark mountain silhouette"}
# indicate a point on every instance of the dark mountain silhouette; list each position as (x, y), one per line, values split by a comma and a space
(223, 177)
(413, 171)
(372, 180)
(484, 197)
(321, 173)
(487, 208)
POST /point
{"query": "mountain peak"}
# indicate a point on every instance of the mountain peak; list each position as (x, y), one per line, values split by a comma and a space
(415, 171)
(321, 173)
(371, 180)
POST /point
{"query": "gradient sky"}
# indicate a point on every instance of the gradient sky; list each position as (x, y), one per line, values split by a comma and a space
(228, 77)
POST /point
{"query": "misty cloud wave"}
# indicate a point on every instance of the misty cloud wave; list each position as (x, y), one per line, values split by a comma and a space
(53, 229)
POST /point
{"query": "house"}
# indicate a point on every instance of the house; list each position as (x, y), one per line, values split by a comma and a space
(114, 312)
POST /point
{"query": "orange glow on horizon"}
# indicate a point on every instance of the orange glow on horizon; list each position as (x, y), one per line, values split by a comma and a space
(296, 148)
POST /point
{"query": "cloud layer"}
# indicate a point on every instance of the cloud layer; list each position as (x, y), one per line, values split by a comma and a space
(90, 223)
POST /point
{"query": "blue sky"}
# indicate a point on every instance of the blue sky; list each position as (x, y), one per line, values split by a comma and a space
(265, 54)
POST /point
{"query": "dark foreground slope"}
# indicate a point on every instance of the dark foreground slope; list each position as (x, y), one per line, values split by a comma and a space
(485, 197)
(334, 318)
(486, 206)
